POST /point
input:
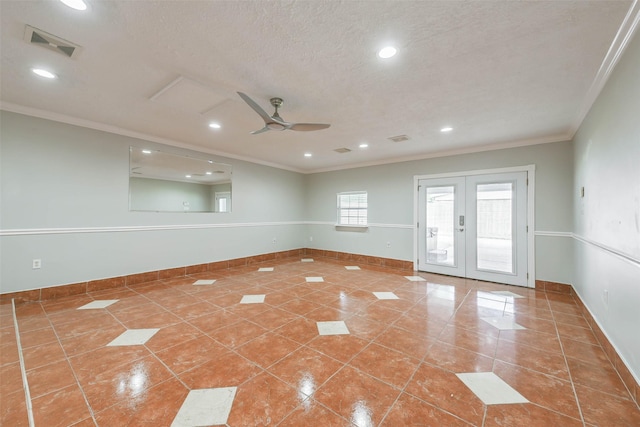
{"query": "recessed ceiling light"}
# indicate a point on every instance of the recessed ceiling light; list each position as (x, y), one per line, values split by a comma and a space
(209, 173)
(44, 73)
(387, 52)
(363, 145)
(214, 126)
(187, 176)
(146, 151)
(446, 129)
(308, 154)
(75, 4)
(210, 161)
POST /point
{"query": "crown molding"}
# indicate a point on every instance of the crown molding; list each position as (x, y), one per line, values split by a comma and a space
(62, 118)
(74, 121)
(469, 150)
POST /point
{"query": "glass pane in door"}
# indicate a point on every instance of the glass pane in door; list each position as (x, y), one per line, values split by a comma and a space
(440, 239)
(494, 218)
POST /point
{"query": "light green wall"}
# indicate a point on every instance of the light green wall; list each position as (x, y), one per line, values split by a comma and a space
(391, 202)
(160, 195)
(607, 218)
(57, 176)
(65, 189)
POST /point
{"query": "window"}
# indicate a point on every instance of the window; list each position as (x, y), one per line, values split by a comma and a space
(223, 201)
(352, 208)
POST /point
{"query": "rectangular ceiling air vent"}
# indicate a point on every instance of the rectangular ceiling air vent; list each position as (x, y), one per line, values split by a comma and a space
(399, 138)
(342, 150)
(49, 41)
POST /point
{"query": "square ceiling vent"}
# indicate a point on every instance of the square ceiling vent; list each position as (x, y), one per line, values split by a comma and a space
(46, 40)
(399, 138)
(342, 150)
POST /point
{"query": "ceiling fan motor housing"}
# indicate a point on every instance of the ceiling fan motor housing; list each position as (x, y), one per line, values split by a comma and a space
(275, 122)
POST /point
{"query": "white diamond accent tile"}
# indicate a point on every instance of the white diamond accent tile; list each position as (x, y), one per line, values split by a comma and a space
(204, 282)
(385, 295)
(489, 298)
(314, 279)
(101, 303)
(494, 302)
(133, 337)
(416, 278)
(491, 389)
(205, 407)
(265, 269)
(503, 323)
(352, 267)
(333, 328)
(306, 260)
(507, 294)
(252, 299)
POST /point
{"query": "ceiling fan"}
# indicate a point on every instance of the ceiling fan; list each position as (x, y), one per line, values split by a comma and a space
(275, 122)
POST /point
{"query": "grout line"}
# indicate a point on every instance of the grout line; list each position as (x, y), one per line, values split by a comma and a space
(468, 295)
(566, 363)
(73, 371)
(486, 409)
(585, 312)
(153, 353)
(23, 372)
(403, 391)
(348, 363)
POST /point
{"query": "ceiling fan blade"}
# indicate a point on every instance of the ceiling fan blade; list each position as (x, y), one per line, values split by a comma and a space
(266, 117)
(264, 129)
(308, 126)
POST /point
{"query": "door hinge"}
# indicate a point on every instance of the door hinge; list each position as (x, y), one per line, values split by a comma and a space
(527, 228)
(419, 186)
(527, 181)
(418, 225)
(527, 276)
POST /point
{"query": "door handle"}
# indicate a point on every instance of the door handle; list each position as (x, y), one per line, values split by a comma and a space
(460, 229)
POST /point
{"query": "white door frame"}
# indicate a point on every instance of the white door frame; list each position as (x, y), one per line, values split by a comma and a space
(531, 246)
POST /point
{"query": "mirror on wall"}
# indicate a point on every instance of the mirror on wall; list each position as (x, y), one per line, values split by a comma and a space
(164, 182)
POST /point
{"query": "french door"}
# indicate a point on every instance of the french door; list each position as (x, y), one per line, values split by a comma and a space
(474, 226)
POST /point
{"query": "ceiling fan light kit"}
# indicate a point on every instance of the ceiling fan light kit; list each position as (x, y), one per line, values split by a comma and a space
(276, 122)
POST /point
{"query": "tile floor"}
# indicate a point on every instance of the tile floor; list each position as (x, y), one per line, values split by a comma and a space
(309, 343)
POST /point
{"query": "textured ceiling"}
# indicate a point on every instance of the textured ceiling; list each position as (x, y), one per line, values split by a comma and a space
(501, 73)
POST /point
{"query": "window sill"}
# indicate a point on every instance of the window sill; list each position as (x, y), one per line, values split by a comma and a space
(346, 227)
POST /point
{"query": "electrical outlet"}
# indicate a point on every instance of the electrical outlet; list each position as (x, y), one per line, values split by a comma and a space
(388, 244)
(311, 238)
(37, 263)
(274, 240)
(605, 297)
